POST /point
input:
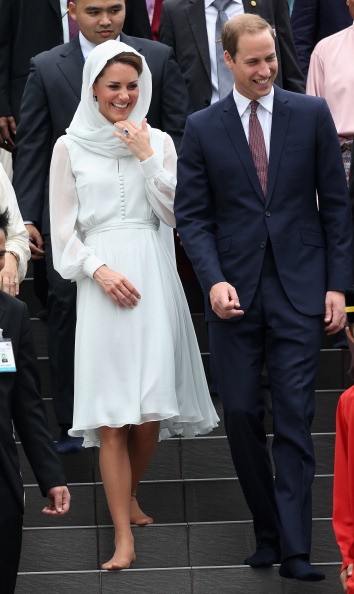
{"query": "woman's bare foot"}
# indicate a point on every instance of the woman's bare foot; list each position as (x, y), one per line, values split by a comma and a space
(123, 557)
(137, 516)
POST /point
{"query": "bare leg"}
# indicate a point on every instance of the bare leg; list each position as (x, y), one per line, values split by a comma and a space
(117, 481)
(142, 442)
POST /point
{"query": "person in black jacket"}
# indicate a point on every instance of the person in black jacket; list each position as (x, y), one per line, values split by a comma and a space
(21, 406)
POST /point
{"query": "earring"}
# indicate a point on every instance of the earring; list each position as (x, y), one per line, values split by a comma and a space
(95, 97)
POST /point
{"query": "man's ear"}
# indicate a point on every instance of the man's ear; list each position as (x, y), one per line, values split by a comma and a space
(228, 60)
(72, 10)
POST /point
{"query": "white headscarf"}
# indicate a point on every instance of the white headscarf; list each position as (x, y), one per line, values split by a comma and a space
(91, 129)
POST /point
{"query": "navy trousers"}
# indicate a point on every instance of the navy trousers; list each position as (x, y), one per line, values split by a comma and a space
(289, 343)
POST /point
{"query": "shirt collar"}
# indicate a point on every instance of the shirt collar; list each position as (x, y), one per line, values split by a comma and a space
(242, 102)
(208, 3)
(87, 46)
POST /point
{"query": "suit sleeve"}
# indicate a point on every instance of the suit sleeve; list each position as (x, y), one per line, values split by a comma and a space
(166, 34)
(304, 21)
(34, 148)
(29, 415)
(292, 76)
(5, 57)
(174, 100)
(194, 211)
(136, 22)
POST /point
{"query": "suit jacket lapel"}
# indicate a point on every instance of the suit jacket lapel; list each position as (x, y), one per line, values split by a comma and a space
(195, 13)
(71, 65)
(236, 133)
(280, 122)
(55, 4)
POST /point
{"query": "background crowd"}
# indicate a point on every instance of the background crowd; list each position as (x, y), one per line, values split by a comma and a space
(44, 45)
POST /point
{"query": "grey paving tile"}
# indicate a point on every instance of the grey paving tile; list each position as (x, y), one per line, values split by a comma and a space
(168, 581)
(156, 546)
(78, 467)
(209, 501)
(63, 549)
(59, 583)
(163, 501)
(207, 457)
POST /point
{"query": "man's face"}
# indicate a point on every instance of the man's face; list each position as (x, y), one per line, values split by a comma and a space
(99, 20)
(255, 65)
(2, 249)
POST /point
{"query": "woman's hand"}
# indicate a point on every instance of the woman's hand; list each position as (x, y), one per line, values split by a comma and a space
(123, 293)
(136, 139)
(9, 282)
(345, 574)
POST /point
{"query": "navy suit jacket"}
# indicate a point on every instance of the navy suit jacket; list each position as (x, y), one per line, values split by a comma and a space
(21, 403)
(225, 223)
(183, 27)
(312, 20)
(51, 97)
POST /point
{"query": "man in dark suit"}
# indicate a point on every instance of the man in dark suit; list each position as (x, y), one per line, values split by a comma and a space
(50, 99)
(183, 26)
(21, 405)
(312, 20)
(28, 28)
(259, 241)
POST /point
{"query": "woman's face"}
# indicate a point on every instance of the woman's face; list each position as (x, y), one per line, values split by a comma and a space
(117, 92)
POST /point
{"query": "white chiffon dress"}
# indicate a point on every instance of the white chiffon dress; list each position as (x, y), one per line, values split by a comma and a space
(131, 365)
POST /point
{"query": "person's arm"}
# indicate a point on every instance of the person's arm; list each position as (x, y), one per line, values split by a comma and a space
(315, 78)
(16, 241)
(7, 122)
(293, 79)
(344, 480)
(71, 258)
(34, 138)
(174, 105)
(166, 31)
(28, 411)
(304, 23)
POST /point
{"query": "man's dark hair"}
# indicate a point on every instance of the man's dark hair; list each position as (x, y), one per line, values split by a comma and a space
(4, 220)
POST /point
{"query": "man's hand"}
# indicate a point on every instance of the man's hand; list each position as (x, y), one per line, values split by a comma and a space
(59, 498)
(335, 316)
(345, 574)
(35, 243)
(7, 133)
(9, 282)
(224, 301)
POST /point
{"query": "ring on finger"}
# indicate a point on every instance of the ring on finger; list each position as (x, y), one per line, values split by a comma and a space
(126, 131)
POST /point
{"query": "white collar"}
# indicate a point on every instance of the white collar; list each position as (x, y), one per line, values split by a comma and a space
(243, 102)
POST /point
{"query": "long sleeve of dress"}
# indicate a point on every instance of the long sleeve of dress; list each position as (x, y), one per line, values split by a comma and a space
(161, 182)
(343, 489)
(17, 238)
(71, 258)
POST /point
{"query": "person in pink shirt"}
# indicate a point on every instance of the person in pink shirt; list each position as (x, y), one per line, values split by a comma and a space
(330, 77)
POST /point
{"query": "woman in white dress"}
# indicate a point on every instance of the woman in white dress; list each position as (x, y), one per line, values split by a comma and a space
(138, 370)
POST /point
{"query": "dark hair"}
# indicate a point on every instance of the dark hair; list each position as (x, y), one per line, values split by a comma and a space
(128, 58)
(243, 24)
(4, 220)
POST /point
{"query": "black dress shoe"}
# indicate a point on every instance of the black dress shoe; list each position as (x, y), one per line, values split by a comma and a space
(300, 568)
(69, 445)
(264, 556)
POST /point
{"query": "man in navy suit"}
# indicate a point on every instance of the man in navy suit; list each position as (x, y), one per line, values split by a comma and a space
(273, 264)
(312, 20)
(50, 99)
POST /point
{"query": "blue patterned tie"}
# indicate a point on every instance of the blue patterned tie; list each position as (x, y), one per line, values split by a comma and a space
(225, 79)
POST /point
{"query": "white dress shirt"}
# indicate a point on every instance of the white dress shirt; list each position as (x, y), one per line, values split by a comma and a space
(264, 114)
(235, 8)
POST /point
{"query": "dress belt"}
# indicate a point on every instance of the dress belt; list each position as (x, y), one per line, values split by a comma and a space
(131, 224)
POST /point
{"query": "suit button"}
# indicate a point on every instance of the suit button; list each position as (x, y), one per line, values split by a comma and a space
(207, 102)
(267, 213)
(262, 244)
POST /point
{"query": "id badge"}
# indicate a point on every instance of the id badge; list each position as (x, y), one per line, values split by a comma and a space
(7, 359)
